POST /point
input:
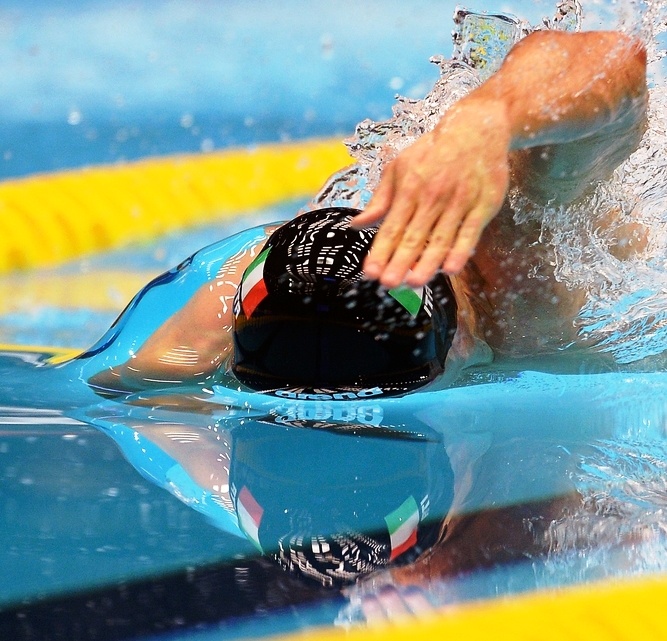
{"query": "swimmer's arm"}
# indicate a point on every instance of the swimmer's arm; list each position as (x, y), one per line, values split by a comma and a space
(492, 538)
(577, 124)
(191, 345)
(569, 97)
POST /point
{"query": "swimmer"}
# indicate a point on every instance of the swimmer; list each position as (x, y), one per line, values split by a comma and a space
(561, 113)
(302, 317)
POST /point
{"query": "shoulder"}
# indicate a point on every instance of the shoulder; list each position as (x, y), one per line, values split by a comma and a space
(235, 254)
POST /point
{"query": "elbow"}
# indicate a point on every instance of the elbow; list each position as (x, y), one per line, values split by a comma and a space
(629, 54)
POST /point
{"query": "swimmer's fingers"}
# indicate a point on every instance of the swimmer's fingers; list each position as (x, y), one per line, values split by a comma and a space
(455, 235)
(380, 203)
(467, 237)
(424, 219)
(436, 198)
(464, 246)
(438, 227)
(401, 211)
(391, 605)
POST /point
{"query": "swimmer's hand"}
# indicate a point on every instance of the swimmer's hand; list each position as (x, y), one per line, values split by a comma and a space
(577, 101)
(437, 196)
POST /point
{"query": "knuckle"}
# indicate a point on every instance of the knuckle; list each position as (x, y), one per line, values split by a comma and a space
(412, 239)
(441, 236)
(467, 238)
(434, 188)
(390, 232)
(413, 181)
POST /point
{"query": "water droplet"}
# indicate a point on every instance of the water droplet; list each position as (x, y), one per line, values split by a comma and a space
(396, 83)
(74, 117)
(327, 44)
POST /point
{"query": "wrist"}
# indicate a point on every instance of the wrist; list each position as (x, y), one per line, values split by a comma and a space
(478, 116)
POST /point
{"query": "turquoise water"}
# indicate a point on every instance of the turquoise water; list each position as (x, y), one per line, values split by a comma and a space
(108, 530)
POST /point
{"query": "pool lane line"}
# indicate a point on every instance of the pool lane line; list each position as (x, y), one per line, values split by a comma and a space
(228, 599)
(41, 353)
(47, 219)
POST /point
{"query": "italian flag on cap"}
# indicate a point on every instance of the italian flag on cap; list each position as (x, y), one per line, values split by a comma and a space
(408, 297)
(250, 515)
(253, 287)
(402, 524)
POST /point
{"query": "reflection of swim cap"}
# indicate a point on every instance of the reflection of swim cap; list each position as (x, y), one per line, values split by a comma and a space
(305, 318)
(334, 507)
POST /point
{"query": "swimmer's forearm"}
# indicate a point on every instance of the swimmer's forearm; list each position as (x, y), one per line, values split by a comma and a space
(557, 87)
(563, 110)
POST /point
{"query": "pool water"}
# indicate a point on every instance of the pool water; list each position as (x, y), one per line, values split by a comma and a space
(110, 529)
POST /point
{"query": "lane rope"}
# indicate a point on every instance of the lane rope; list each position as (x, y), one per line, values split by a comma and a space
(628, 610)
(48, 219)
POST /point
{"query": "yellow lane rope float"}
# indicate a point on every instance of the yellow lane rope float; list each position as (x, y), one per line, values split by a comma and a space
(47, 219)
(602, 612)
(107, 290)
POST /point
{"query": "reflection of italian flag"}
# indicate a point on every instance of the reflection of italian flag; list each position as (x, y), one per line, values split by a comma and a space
(402, 524)
(408, 297)
(250, 515)
(253, 287)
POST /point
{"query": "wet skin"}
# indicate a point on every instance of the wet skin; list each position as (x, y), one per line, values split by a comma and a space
(563, 111)
(442, 204)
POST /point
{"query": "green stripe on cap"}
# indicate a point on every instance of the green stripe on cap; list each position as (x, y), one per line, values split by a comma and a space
(258, 259)
(402, 525)
(408, 297)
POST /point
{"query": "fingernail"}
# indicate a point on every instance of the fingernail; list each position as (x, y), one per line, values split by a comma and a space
(452, 267)
(391, 279)
(372, 271)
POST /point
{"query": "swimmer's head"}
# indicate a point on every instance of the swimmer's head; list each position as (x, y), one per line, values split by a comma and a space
(334, 507)
(305, 318)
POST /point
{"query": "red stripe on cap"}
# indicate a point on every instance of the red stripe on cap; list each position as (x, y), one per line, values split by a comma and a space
(252, 507)
(254, 297)
(403, 547)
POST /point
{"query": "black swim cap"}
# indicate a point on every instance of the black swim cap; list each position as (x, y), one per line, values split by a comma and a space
(334, 507)
(305, 319)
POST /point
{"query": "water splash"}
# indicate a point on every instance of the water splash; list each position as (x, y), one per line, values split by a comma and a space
(375, 144)
(626, 309)
(626, 312)
(481, 41)
(622, 483)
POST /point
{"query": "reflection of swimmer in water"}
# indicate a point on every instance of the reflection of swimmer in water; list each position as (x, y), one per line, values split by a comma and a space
(328, 522)
(334, 499)
(552, 140)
